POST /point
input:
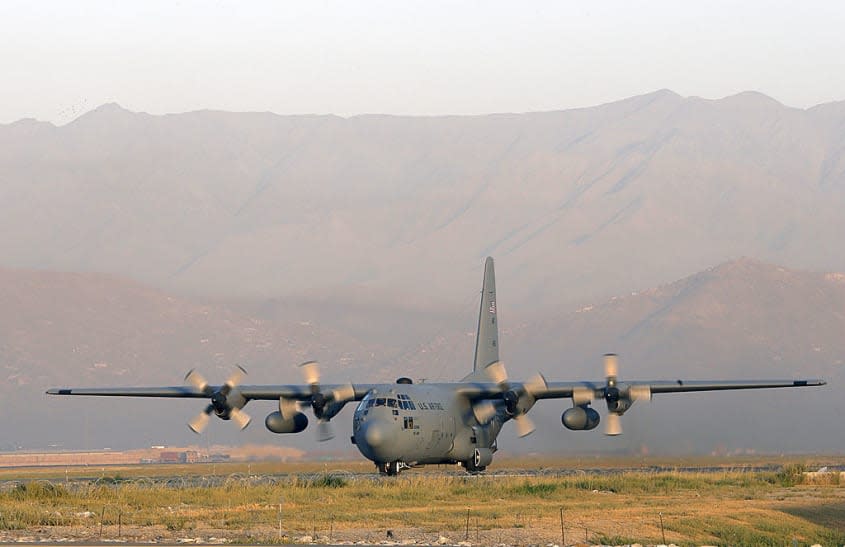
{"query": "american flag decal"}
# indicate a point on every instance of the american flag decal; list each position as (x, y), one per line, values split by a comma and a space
(492, 308)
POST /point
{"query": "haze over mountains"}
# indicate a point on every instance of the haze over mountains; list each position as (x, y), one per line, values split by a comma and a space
(582, 203)
(210, 238)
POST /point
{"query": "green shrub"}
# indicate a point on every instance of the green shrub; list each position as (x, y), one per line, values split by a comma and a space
(534, 489)
(38, 491)
(791, 475)
(329, 481)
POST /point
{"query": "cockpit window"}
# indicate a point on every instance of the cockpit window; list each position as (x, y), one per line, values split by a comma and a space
(391, 403)
(380, 401)
(405, 402)
(370, 403)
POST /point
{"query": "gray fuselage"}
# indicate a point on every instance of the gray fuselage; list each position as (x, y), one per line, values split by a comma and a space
(421, 424)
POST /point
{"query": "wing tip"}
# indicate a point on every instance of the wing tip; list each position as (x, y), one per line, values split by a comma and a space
(806, 383)
(813, 382)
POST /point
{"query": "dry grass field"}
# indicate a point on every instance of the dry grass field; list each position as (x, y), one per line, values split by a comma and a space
(612, 503)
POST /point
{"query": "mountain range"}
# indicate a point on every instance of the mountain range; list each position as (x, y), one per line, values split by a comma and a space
(578, 204)
(136, 247)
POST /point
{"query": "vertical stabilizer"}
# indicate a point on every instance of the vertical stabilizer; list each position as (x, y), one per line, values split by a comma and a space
(487, 337)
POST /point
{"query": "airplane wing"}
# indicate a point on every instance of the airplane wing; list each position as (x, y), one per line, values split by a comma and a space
(519, 397)
(172, 391)
(559, 390)
(474, 390)
(564, 390)
(227, 400)
(301, 392)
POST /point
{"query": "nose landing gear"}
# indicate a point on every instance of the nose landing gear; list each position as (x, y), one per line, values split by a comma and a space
(473, 468)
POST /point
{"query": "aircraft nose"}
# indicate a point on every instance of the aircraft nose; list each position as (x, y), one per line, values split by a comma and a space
(376, 434)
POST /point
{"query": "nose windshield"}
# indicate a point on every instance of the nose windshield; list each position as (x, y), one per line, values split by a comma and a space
(400, 402)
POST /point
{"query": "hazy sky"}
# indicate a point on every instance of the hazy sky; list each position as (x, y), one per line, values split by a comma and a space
(59, 59)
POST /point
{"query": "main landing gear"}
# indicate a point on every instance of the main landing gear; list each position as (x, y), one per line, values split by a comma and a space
(391, 469)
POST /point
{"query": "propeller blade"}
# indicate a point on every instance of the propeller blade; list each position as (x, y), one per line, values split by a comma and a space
(613, 426)
(484, 411)
(535, 385)
(343, 393)
(611, 366)
(197, 380)
(311, 372)
(325, 431)
(239, 417)
(496, 372)
(236, 376)
(639, 393)
(524, 425)
(288, 407)
(199, 423)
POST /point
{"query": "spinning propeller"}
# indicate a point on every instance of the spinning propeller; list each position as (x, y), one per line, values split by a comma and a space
(619, 397)
(324, 405)
(226, 401)
(518, 399)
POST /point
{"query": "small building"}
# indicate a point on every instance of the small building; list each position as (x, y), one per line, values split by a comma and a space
(170, 456)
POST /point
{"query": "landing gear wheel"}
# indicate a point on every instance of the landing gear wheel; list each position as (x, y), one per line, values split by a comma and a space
(473, 469)
(391, 469)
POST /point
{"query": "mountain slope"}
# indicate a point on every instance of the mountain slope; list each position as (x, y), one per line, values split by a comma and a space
(101, 330)
(743, 317)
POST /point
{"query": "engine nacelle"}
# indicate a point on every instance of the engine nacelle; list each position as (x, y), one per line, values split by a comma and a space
(580, 418)
(223, 404)
(276, 423)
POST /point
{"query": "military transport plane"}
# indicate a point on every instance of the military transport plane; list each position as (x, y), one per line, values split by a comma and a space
(402, 425)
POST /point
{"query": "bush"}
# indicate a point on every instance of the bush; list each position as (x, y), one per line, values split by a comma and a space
(535, 489)
(791, 475)
(329, 481)
(37, 491)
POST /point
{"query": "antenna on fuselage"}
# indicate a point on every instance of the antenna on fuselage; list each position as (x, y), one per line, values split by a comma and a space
(487, 337)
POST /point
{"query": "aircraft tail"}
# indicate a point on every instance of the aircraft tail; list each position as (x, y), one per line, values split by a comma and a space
(487, 337)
